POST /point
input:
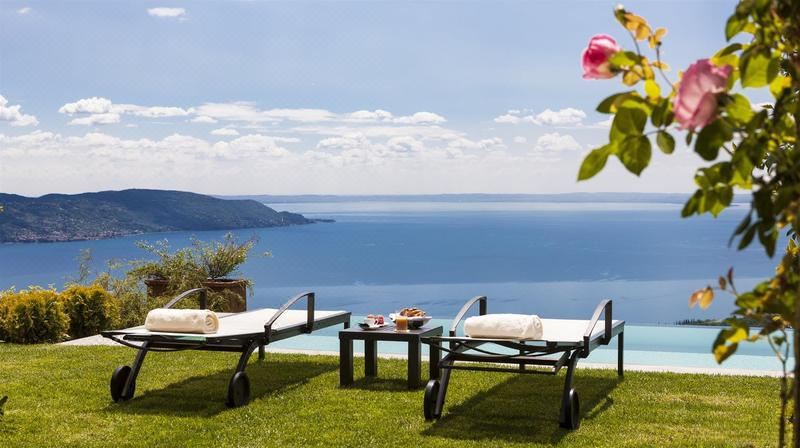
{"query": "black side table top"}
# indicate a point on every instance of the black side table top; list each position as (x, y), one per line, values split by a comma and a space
(388, 333)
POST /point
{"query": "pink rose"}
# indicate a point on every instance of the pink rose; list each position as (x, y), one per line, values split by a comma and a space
(595, 57)
(695, 104)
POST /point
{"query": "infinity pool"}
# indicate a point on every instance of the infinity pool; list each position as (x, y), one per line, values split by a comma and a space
(660, 346)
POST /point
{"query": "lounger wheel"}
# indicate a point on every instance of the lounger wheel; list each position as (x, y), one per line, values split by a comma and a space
(572, 414)
(118, 380)
(429, 403)
(238, 390)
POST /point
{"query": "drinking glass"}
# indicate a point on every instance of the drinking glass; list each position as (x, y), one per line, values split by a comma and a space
(401, 323)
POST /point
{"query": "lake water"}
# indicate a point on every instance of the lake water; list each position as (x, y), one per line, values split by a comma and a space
(556, 260)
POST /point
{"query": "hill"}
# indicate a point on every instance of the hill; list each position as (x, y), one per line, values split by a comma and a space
(106, 214)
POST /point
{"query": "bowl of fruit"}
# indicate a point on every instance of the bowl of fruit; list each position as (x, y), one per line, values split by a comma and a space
(416, 317)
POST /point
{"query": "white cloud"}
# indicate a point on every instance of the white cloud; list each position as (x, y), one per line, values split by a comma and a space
(487, 143)
(14, 116)
(605, 123)
(421, 118)
(204, 119)
(508, 119)
(555, 143)
(163, 12)
(103, 111)
(25, 10)
(368, 115)
(93, 105)
(95, 119)
(564, 117)
(249, 146)
(247, 112)
(225, 132)
(520, 139)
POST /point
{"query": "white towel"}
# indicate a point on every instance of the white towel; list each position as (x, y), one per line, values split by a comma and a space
(182, 321)
(504, 326)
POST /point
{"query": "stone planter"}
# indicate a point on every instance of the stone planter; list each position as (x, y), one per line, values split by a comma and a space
(158, 287)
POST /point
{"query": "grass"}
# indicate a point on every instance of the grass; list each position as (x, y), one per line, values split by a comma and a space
(58, 396)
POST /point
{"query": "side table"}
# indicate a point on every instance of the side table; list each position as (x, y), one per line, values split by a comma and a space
(387, 333)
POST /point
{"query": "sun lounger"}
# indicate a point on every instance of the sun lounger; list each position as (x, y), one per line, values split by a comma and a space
(562, 343)
(238, 332)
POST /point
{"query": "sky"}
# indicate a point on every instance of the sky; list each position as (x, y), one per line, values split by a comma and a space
(322, 97)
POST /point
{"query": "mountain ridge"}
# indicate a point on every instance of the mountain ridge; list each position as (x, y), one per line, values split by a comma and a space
(112, 213)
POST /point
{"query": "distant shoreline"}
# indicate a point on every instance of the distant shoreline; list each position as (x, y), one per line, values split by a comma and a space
(665, 198)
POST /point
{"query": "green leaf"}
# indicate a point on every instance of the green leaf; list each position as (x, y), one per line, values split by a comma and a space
(740, 228)
(757, 67)
(624, 59)
(594, 162)
(690, 208)
(711, 138)
(739, 109)
(661, 114)
(608, 105)
(635, 153)
(665, 142)
(629, 121)
(734, 26)
(747, 238)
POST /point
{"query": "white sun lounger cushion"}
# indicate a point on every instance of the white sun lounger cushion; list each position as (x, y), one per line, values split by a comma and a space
(182, 321)
(504, 326)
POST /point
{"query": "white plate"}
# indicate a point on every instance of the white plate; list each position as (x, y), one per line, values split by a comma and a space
(366, 327)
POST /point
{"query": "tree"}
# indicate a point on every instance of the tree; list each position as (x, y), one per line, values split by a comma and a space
(747, 148)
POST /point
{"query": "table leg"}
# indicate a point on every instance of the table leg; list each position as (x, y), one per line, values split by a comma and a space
(434, 356)
(414, 363)
(370, 358)
(345, 361)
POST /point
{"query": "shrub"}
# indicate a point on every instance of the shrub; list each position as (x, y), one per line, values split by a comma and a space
(131, 299)
(32, 315)
(91, 309)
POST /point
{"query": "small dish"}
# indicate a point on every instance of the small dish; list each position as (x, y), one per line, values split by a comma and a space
(368, 327)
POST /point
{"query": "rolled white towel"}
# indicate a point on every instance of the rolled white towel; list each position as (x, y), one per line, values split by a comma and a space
(504, 326)
(182, 321)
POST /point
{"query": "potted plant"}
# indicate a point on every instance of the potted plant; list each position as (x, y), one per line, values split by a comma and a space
(208, 264)
(218, 260)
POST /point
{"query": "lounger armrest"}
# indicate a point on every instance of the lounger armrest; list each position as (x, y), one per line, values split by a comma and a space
(603, 308)
(309, 307)
(460, 316)
(203, 297)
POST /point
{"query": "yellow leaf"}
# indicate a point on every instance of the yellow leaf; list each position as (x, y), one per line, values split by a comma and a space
(648, 71)
(642, 32)
(652, 89)
(778, 84)
(739, 334)
(695, 297)
(661, 65)
(630, 78)
(706, 298)
(723, 352)
(655, 39)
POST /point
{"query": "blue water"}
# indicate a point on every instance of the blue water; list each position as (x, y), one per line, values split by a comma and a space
(556, 260)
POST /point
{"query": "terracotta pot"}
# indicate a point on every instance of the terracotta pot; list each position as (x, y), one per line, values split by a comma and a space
(156, 287)
(237, 286)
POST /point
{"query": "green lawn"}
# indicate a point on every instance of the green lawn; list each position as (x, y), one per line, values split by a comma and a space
(59, 397)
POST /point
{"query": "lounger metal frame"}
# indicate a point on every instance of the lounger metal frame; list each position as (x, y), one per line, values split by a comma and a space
(123, 381)
(465, 353)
